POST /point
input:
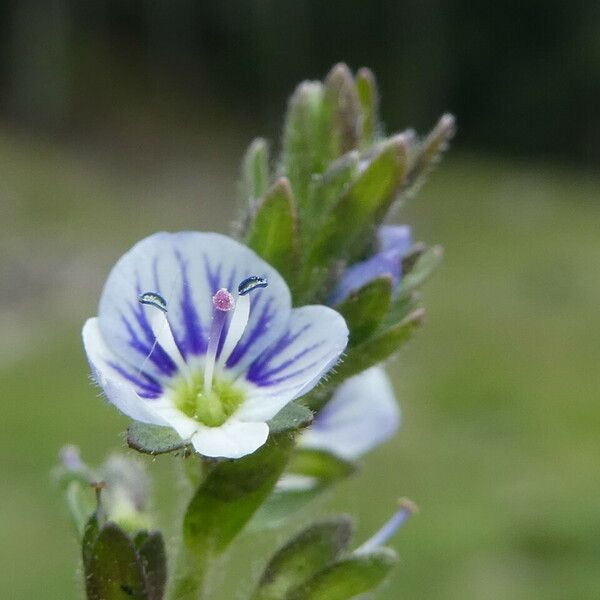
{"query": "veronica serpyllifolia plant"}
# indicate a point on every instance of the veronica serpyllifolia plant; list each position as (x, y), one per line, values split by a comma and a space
(256, 362)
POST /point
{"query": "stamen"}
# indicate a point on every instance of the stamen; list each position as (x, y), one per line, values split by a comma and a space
(407, 508)
(241, 315)
(162, 331)
(223, 302)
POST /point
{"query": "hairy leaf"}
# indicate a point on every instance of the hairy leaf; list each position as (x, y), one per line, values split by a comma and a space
(230, 495)
(115, 570)
(154, 562)
(347, 578)
(255, 171)
(273, 232)
(368, 96)
(377, 348)
(153, 439)
(365, 309)
(350, 225)
(303, 556)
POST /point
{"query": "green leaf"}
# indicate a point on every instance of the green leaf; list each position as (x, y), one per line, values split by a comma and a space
(326, 190)
(341, 111)
(368, 96)
(424, 266)
(115, 571)
(273, 232)
(303, 556)
(151, 550)
(347, 578)
(230, 495)
(255, 171)
(290, 417)
(365, 309)
(320, 464)
(429, 152)
(305, 143)
(377, 348)
(153, 439)
(351, 223)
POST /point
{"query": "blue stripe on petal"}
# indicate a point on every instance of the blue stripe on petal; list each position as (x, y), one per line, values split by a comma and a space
(148, 349)
(258, 371)
(192, 341)
(186, 269)
(145, 385)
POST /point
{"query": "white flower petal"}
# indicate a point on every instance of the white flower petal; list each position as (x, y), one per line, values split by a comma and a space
(233, 439)
(362, 414)
(174, 418)
(294, 364)
(186, 269)
(119, 390)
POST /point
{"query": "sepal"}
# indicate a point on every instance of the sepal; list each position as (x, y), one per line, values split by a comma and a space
(154, 439)
(291, 417)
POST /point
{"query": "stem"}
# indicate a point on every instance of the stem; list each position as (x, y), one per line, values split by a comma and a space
(189, 576)
(189, 571)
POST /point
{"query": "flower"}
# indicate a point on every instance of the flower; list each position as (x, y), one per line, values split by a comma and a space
(393, 243)
(197, 333)
(362, 414)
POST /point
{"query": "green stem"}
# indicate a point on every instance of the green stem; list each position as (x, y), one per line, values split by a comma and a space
(188, 579)
(189, 576)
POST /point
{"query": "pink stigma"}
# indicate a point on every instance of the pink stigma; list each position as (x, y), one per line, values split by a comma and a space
(223, 300)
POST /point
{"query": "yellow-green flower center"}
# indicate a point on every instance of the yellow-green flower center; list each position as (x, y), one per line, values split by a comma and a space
(212, 408)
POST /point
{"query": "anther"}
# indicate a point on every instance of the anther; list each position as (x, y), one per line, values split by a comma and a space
(153, 299)
(251, 283)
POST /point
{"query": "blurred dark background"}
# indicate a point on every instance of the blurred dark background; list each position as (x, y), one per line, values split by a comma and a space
(523, 76)
(124, 117)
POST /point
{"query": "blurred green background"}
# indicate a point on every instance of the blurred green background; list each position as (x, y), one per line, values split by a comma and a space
(120, 118)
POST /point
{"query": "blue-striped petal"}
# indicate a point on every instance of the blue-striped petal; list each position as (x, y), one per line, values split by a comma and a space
(289, 368)
(186, 269)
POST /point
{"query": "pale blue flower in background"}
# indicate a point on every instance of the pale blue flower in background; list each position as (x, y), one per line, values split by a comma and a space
(190, 336)
(393, 243)
(361, 415)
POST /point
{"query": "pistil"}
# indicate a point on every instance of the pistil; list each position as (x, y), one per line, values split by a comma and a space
(223, 302)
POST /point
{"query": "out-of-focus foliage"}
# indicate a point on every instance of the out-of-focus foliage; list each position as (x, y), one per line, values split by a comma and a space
(522, 76)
